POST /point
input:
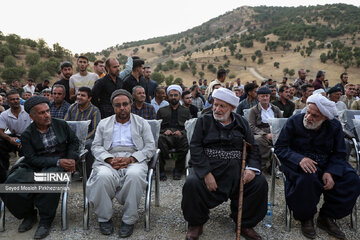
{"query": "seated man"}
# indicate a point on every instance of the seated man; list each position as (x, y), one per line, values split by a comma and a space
(140, 107)
(312, 151)
(259, 116)
(172, 133)
(122, 147)
(15, 120)
(250, 100)
(49, 145)
(83, 110)
(284, 103)
(187, 102)
(215, 150)
(59, 106)
(159, 100)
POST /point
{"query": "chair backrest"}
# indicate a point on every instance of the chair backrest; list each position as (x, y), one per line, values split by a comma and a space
(80, 129)
(155, 129)
(347, 117)
(276, 125)
(189, 127)
(246, 113)
(297, 111)
(356, 123)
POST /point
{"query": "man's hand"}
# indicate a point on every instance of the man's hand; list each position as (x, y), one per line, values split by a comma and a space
(268, 136)
(125, 161)
(210, 182)
(177, 133)
(131, 54)
(168, 132)
(67, 164)
(15, 141)
(248, 176)
(308, 165)
(328, 181)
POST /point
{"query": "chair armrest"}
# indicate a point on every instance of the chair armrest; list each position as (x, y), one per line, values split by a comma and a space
(154, 159)
(19, 160)
(83, 153)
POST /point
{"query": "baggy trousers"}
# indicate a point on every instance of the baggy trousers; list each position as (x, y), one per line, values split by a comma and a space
(264, 147)
(197, 199)
(167, 143)
(303, 191)
(126, 185)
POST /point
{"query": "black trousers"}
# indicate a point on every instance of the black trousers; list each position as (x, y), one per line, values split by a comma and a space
(22, 204)
(303, 191)
(5, 149)
(167, 143)
(197, 199)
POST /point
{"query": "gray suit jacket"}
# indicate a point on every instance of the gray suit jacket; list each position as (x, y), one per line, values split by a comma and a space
(256, 125)
(141, 134)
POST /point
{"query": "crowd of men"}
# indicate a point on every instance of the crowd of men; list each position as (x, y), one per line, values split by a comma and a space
(120, 143)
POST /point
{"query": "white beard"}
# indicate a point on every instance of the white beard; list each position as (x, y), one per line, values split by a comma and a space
(223, 118)
(310, 124)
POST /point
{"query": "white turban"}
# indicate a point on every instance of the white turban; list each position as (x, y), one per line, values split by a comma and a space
(318, 91)
(326, 107)
(174, 87)
(226, 95)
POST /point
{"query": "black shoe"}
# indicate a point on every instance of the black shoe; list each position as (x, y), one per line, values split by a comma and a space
(106, 228)
(27, 223)
(163, 176)
(176, 174)
(307, 229)
(126, 230)
(330, 226)
(42, 231)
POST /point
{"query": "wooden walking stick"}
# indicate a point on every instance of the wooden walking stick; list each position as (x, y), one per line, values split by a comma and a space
(241, 191)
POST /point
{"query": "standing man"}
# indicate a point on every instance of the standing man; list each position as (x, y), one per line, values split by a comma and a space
(301, 79)
(284, 103)
(318, 83)
(140, 107)
(83, 110)
(221, 76)
(83, 78)
(159, 100)
(29, 87)
(348, 98)
(216, 149)
(306, 91)
(135, 78)
(259, 116)
(16, 120)
(238, 83)
(17, 87)
(41, 86)
(187, 102)
(197, 101)
(334, 95)
(326, 85)
(312, 151)
(67, 72)
(105, 86)
(122, 147)
(251, 99)
(59, 106)
(99, 68)
(151, 84)
(49, 145)
(344, 80)
(172, 132)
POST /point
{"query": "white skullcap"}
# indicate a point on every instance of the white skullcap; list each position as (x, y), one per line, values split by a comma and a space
(326, 107)
(318, 91)
(174, 87)
(226, 95)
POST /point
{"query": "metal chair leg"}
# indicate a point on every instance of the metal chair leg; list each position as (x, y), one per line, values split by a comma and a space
(86, 212)
(2, 216)
(353, 218)
(287, 218)
(273, 175)
(157, 184)
(64, 222)
(148, 201)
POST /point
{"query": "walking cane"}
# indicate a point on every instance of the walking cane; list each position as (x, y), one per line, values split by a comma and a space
(241, 191)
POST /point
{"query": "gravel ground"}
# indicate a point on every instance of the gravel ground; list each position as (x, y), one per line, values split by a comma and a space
(167, 221)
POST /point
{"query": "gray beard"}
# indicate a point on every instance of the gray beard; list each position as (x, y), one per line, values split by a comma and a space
(223, 118)
(313, 126)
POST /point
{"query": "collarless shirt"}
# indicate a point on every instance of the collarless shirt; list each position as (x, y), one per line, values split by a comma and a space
(16, 125)
(266, 114)
(158, 106)
(122, 134)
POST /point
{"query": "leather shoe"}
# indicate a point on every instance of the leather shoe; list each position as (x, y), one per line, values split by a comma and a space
(307, 228)
(106, 228)
(330, 226)
(42, 231)
(126, 230)
(250, 234)
(163, 176)
(194, 232)
(176, 175)
(27, 223)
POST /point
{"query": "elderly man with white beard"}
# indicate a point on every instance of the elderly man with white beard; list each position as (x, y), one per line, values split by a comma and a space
(312, 151)
(215, 150)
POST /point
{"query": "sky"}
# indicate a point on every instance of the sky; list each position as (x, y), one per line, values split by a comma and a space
(90, 26)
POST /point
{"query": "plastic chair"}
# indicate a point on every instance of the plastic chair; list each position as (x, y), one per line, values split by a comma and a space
(189, 127)
(297, 111)
(246, 113)
(81, 130)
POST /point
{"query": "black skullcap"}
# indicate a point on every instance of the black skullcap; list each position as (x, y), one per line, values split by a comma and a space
(65, 64)
(263, 90)
(33, 101)
(334, 89)
(320, 73)
(121, 92)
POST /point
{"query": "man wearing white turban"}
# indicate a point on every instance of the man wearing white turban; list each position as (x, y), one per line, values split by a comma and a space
(312, 151)
(215, 164)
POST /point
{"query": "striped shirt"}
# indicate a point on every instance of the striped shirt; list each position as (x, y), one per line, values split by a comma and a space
(91, 113)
